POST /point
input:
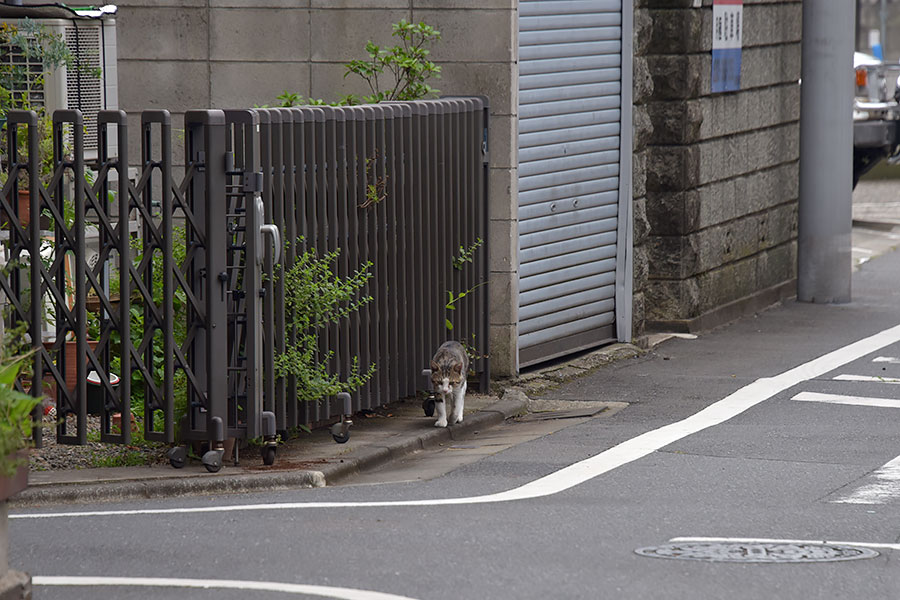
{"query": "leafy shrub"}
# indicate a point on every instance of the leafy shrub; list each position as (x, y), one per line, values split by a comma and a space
(316, 298)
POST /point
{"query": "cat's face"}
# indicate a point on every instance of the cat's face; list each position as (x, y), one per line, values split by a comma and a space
(445, 377)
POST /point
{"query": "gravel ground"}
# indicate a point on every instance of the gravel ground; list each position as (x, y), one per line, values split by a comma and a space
(60, 457)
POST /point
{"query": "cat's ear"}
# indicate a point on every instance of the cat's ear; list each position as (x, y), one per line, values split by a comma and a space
(458, 368)
(435, 367)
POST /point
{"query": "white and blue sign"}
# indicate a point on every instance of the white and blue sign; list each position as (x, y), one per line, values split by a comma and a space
(726, 45)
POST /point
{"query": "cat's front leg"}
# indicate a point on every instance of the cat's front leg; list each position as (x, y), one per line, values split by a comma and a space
(459, 401)
(440, 406)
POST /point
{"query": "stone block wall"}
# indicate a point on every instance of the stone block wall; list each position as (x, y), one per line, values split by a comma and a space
(721, 169)
(184, 54)
(642, 91)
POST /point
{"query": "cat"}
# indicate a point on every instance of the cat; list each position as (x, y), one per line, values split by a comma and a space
(448, 377)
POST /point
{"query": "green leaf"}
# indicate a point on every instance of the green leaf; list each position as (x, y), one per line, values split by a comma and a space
(448, 324)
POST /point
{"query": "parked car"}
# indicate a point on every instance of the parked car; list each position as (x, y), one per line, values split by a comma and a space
(876, 114)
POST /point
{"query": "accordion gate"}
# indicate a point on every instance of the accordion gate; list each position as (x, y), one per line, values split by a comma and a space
(190, 299)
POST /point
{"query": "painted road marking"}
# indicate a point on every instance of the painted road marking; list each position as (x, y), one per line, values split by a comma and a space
(887, 359)
(866, 378)
(850, 400)
(589, 468)
(727, 540)
(885, 488)
(224, 584)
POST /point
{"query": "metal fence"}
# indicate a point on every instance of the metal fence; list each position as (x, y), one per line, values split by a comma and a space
(174, 279)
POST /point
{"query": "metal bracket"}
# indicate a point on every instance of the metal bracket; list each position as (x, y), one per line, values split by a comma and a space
(253, 182)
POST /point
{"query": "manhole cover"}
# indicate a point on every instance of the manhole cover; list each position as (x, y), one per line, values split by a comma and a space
(757, 553)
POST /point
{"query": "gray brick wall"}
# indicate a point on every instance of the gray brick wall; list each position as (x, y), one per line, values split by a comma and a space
(721, 169)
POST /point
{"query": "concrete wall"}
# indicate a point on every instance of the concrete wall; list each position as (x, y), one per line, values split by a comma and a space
(721, 169)
(183, 54)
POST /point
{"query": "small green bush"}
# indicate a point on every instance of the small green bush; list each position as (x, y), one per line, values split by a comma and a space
(316, 298)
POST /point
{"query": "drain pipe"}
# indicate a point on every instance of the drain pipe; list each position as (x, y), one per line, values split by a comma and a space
(824, 260)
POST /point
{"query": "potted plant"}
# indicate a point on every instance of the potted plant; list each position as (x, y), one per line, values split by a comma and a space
(15, 429)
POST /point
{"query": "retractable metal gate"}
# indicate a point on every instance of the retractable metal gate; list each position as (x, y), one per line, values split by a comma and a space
(187, 308)
(134, 280)
(574, 165)
(427, 161)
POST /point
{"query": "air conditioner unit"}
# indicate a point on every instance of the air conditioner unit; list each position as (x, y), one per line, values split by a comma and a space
(93, 43)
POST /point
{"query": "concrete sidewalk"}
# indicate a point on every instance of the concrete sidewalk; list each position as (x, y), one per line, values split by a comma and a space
(312, 460)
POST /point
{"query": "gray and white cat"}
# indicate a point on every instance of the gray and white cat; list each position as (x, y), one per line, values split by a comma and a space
(448, 376)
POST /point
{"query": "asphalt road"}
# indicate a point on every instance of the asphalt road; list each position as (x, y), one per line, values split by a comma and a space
(772, 459)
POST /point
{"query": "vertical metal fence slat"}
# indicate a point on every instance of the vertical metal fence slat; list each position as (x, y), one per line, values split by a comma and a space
(364, 347)
(284, 220)
(483, 183)
(23, 240)
(435, 322)
(382, 266)
(392, 255)
(160, 120)
(267, 168)
(274, 298)
(296, 218)
(416, 239)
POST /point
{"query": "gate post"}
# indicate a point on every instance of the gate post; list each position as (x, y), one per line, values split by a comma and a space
(206, 129)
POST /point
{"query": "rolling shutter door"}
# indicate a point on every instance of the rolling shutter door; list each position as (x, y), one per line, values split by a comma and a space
(570, 80)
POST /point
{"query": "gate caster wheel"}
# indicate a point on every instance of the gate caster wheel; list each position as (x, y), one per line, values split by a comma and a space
(268, 455)
(177, 456)
(428, 407)
(340, 432)
(212, 460)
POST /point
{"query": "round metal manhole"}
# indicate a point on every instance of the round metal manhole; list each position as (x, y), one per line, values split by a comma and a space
(757, 552)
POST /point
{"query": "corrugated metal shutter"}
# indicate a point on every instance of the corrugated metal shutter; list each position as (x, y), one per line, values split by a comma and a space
(570, 83)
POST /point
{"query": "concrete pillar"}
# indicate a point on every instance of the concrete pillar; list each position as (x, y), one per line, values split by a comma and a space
(826, 152)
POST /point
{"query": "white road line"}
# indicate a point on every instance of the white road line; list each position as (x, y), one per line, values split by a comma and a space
(589, 468)
(866, 378)
(224, 584)
(850, 400)
(887, 359)
(885, 488)
(727, 540)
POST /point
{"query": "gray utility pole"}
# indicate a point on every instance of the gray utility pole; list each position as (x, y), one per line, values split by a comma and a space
(826, 152)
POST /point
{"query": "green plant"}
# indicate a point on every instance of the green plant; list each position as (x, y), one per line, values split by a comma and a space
(317, 298)
(15, 414)
(375, 186)
(17, 81)
(407, 63)
(400, 72)
(20, 83)
(130, 458)
(466, 255)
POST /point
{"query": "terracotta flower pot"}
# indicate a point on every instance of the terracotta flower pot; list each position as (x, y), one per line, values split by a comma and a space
(10, 486)
(24, 211)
